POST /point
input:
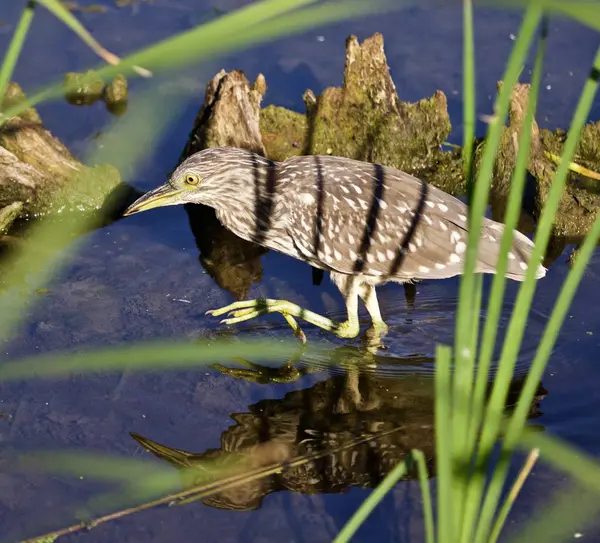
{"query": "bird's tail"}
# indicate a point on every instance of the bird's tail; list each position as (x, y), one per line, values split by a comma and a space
(519, 256)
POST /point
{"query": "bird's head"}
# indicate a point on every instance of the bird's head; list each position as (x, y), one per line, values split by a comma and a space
(204, 178)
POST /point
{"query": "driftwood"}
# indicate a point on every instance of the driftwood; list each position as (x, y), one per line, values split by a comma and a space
(364, 120)
(580, 201)
(39, 172)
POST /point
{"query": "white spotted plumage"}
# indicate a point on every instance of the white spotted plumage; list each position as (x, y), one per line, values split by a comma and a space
(351, 217)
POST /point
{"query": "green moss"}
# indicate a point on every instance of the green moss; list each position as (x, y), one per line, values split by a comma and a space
(580, 200)
(354, 125)
(116, 95)
(87, 191)
(14, 96)
(283, 132)
(8, 215)
(88, 88)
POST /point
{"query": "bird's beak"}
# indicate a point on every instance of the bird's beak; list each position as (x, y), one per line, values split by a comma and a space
(165, 195)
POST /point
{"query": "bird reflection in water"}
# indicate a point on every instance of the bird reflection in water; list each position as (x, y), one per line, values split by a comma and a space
(347, 430)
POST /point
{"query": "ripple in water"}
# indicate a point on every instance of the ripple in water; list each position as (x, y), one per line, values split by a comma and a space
(416, 327)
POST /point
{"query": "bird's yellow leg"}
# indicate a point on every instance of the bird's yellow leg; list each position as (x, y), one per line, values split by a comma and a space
(249, 309)
(367, 294)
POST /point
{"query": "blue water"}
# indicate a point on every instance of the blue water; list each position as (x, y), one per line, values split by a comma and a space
(140, 279)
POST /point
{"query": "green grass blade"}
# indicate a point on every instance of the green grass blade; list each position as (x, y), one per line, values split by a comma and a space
(63, 14)
(465, 323)
(463, 336)
(583, 467)
(481, 191)
(516, 327)
(511, 217)
(570, 510)
(443, 444)
(469, 95)
(559, 312)
(370, 503)
(93, 465)
(512, 495)
(151, 355)
(14, 49)
(519, 417)
(468, 295)
(419, 459)
(587, 13)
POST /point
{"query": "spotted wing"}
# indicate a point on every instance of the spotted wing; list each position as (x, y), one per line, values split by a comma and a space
(360, 218)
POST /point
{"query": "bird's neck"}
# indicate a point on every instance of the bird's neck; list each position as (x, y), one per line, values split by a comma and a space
(255, 221)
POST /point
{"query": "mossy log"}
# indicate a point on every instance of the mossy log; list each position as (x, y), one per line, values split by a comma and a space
(364, 119)
(37, 170)
(580, 200)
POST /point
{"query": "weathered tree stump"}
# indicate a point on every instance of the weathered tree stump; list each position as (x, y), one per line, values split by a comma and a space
(37, 170)
(365, 120)
(580, 201)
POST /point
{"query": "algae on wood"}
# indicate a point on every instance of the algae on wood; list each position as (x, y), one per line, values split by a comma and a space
(580, 200)
(283, 132)
(8, 215)
(116, 95)
(38, 170)
(365, 120)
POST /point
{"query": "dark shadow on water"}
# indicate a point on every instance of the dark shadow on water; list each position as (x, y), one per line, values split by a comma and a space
(371, 419)
(232, 262)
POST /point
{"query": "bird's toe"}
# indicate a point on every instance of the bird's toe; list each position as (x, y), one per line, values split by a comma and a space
(243, 304)
(347, 329)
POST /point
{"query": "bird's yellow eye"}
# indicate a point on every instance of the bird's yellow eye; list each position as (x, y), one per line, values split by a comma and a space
(191, 179)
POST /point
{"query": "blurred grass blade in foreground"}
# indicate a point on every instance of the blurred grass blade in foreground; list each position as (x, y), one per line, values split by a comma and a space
(154, 355)
(64, 15)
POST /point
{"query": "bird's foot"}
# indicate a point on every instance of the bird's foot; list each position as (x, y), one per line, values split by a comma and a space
(257, 373)
(374, 335)
(346, 329)
(250, 309)
(378, 328)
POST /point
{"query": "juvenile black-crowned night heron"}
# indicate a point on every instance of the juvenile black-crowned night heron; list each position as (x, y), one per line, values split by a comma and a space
(364, 223)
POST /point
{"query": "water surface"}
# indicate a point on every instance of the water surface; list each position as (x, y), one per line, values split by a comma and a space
(140, 279)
